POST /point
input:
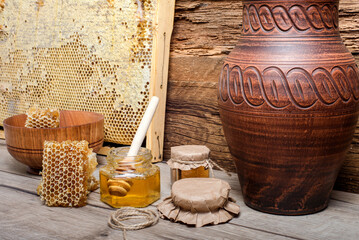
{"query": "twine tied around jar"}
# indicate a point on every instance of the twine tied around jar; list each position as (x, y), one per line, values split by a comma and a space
(210, 163)
(126, 213)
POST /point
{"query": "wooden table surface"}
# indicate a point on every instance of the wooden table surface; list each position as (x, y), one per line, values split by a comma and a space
(23, 216)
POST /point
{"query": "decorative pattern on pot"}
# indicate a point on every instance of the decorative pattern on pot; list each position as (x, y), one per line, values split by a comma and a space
(299, 17)
(297, 87)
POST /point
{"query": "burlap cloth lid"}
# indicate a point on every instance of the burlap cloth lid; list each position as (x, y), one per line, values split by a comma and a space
(188, 157)
(199, 201)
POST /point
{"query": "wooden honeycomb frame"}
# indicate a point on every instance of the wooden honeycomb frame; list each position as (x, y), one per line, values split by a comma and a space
(106, 56)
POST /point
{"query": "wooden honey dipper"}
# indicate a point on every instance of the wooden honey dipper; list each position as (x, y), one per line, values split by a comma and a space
(142, 129)
(120, 187)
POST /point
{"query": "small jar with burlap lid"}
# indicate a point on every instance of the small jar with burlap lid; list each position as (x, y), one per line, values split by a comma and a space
(199, 201)
(189, 161)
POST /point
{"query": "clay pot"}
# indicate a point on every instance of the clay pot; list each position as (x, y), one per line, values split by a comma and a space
(288, 99)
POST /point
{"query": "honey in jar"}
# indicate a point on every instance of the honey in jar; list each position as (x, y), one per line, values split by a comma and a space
(129, 181)
(189, 161)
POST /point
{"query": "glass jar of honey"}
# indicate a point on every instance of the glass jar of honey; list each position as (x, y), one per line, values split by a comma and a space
(189, 161)
(129, 181)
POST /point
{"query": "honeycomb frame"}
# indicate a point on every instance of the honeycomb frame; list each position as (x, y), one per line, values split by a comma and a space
(54, 56)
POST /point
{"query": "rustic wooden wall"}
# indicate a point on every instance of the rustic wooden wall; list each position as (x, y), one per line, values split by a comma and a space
(205, 31)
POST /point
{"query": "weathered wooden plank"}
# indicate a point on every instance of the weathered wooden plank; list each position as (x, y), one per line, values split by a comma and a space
(193, 118)
(90, 221)
(195, 69)
(206, 28)
(26, 218)
(159, 75)
(339, 221)
(212, 27)
(349, 24)
(345, 197)
(28, 183)
(204, 33)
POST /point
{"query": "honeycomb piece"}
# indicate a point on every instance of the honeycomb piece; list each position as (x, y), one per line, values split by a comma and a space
(67, 168)
(42, 118)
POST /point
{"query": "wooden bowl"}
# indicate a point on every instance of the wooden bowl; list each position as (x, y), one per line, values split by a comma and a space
(26, 144)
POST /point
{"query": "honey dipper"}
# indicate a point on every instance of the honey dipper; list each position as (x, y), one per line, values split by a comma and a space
(139, 136)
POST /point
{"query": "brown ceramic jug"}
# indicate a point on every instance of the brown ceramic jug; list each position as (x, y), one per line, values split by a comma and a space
(288, 99)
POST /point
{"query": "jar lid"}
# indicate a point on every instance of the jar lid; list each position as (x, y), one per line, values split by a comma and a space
(187, 157)
(199, 201)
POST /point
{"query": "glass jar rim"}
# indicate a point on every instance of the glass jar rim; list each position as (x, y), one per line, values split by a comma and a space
(121, 153)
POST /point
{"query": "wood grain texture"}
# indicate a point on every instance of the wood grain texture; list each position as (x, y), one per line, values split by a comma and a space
(212, 27)
(204, 33)
(26, 144)
(22, 207)
(27, 218)
(195, 122)
(159, 75)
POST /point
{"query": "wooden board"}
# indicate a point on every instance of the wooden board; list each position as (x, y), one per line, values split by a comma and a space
(204, 33)
(27, 218)
(159, 75)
